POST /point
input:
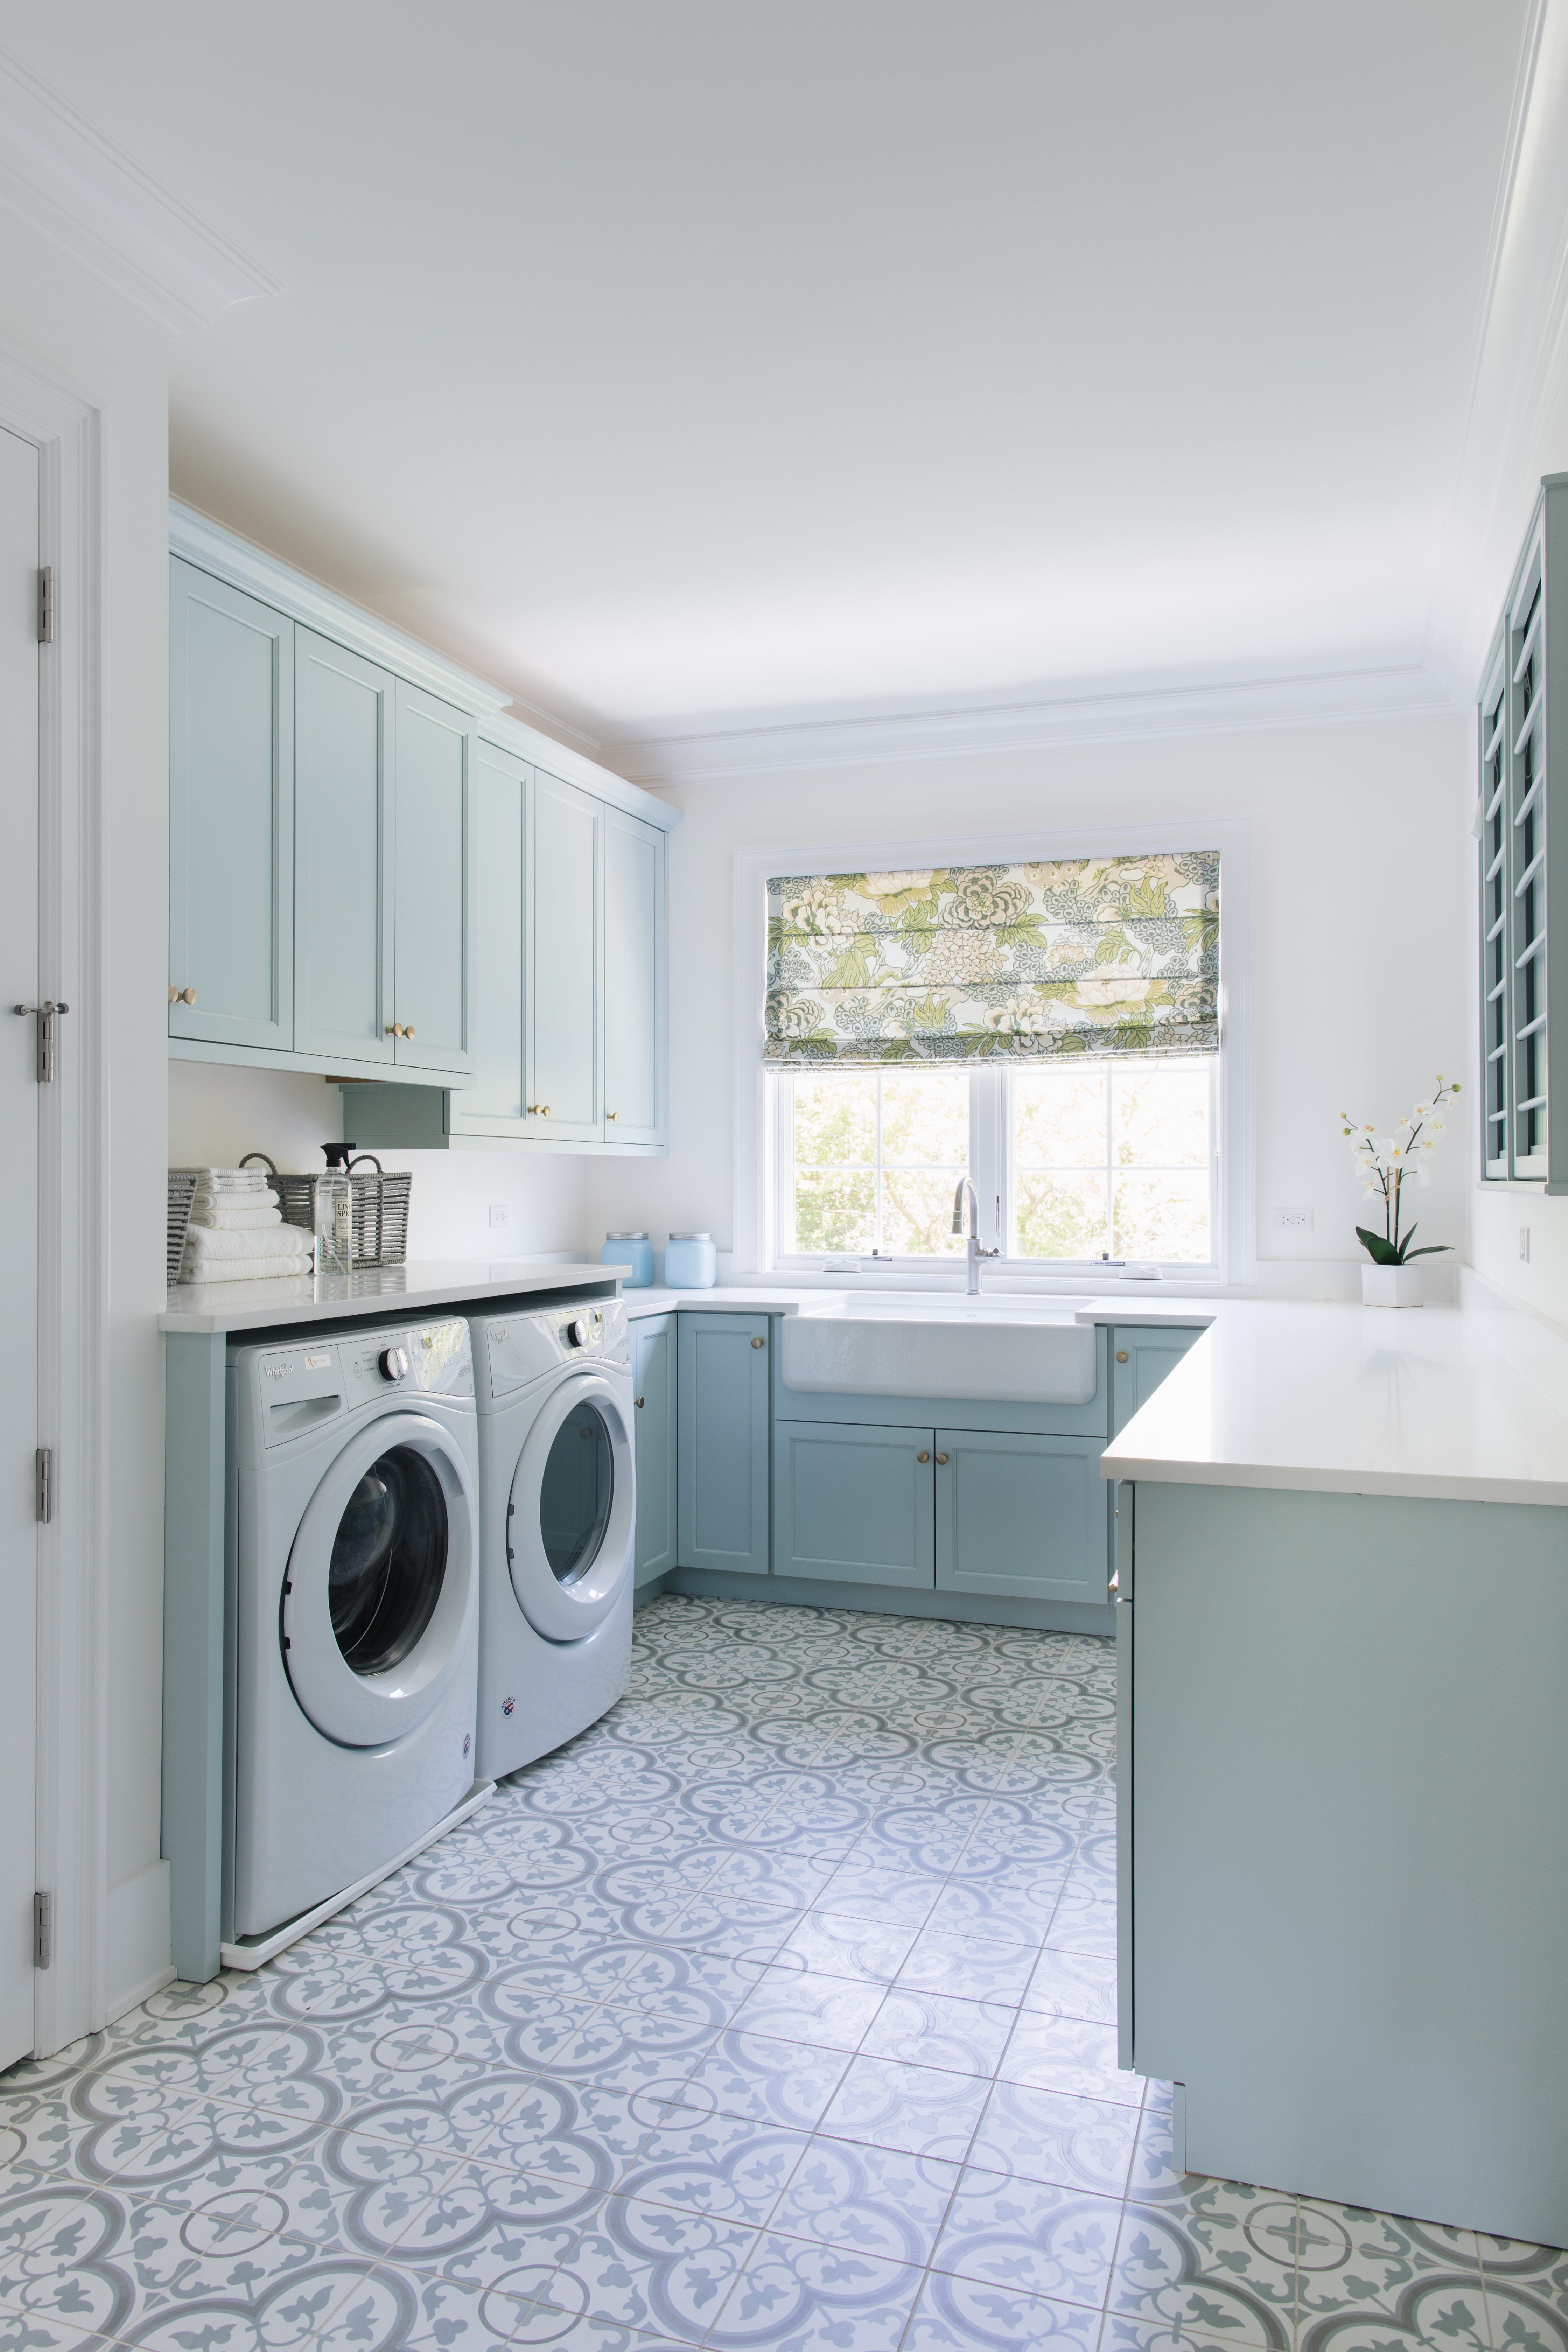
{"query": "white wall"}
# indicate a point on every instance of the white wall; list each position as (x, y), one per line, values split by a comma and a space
(1358, 920)
(218, 1112)
(110, 358)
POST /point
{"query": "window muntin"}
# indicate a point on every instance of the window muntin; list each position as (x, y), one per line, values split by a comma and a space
(869, 1161)
(1114, 1161)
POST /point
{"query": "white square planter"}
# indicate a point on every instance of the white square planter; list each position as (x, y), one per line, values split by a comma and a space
(1391, 1286)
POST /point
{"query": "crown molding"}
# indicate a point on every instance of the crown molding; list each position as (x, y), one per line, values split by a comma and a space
(74, 188)
(1135, 715)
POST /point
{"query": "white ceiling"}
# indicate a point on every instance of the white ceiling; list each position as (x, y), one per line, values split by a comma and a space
(688, 362)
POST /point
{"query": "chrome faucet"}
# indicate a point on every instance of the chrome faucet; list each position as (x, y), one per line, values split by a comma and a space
(976, 1252)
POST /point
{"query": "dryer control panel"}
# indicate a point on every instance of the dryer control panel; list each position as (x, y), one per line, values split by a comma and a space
(308, 1383)
(523, 1348)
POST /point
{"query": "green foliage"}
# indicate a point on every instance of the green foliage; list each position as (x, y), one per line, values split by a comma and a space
(1383, 1252)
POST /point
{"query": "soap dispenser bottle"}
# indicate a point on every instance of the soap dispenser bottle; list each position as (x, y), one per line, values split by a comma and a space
(335, 1219)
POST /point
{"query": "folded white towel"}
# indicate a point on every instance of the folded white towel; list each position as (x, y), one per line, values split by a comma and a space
(210, 1245)
(245, 1269)
(231, 1180)
(236, 1220)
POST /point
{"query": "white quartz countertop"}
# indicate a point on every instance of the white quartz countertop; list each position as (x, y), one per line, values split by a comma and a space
(766, 1298)
(213, 1307)
(1464, 1404)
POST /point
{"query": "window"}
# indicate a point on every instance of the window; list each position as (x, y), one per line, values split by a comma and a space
(1049, 1031)
(1071, 1166)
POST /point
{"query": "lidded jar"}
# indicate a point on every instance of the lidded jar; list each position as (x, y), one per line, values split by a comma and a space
(634, 1252)
(690, 1262)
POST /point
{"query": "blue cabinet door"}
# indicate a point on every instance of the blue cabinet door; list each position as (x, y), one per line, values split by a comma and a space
(721, 1419)
(231, 815)
(496, 1104)
(1141, 1356)
(654, 1379)
(344, 781)
(433, 977)
(853, 1504)
(1027, 1516)
(566, 1013)
(636, 958)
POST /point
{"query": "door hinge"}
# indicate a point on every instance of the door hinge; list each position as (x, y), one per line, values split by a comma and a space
(43, 1930)
(46, 606)
(48, 1013)
(43, 1484)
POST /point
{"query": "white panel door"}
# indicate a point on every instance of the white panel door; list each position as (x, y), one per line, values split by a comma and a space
(19, 1232)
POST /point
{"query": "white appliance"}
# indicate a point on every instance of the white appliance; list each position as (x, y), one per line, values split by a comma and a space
(354, 1609)
(558, 1509)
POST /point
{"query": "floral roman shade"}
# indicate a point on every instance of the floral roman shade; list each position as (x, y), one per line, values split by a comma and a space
(1080, 955)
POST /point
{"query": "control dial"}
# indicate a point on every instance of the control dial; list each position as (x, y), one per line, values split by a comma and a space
(394, 1363)
(577, 1332)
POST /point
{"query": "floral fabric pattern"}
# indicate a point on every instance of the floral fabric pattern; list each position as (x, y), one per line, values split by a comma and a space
(1082, 955)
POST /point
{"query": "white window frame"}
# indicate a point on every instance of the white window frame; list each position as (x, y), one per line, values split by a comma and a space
(758, 1143)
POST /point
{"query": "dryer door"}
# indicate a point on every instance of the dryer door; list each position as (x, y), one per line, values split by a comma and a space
(378, 1602)
(570, 1522)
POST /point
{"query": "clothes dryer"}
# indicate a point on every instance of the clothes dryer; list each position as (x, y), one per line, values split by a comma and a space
(558, 1510)
(354, 1608)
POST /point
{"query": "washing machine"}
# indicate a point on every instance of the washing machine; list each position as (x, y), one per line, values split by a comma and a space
(354, 1609)
(558, 1511)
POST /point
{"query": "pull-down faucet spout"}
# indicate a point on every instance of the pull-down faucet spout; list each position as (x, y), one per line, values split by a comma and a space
(976, 1252)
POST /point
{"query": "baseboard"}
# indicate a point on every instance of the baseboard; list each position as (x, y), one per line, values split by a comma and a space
(884, 1601)
(136, 1940)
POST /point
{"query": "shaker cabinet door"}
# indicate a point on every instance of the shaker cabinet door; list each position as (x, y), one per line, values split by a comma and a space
(1142, 1357)
(344, 781)
(723, 1437)
(634, 980)
(566, 1012)
(496, 1104)
(653, 1375)
(853, 1504)
(1025, 1516)
(433, 984)
(231, 815)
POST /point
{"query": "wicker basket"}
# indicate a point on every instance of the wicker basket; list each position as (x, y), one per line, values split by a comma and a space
(380, 1206)
(182, 1194)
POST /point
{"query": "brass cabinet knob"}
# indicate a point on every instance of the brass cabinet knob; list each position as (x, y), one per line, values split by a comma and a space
(187, 995)
(612, 1113)
(539, 1110)
(922, 1457)
(759, 1343)
(395, 1028)
(641, 1401)
(173, 993)
(408, 1031)
(1121, 1354)
(941, 1457)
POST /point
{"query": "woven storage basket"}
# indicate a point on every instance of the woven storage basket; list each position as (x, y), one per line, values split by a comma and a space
(182, 1193)
(380, 1206)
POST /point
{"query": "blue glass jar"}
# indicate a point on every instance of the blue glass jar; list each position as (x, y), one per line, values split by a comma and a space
(690, 1262)
(633, 1250)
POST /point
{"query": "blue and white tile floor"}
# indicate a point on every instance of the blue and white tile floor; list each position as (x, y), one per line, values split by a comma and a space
(774, 2014)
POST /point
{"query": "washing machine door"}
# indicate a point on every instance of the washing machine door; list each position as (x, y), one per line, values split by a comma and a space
(572, 1509)
(379, 1596)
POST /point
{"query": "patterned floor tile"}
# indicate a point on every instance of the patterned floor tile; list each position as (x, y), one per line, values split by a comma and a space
(934, 2029)
(1048, 2136)
(1065, 2054)
(792, 2005)
(1221, 2265)
(1030, 2237)
(964, 2315)
(651, 2267)
(757, 2077)
(797, 2297)
(868, 2200)
(1073, 1984)
(916, 2110)
(971, 1966)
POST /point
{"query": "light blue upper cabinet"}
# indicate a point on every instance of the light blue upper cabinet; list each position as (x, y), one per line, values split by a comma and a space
(723, 1442)
(433, 983)
(565, 902)
(495, 1104)
(231, 815)
(344, 784)
(635, 980)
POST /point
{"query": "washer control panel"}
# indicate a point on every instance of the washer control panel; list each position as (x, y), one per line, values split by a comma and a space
(524, 1347)
(314, 1380)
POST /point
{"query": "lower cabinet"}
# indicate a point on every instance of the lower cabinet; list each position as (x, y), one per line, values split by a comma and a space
(652, 1386)
(1025, 1516)
(853, 1504)
(722, 1423)
(1141, 1356)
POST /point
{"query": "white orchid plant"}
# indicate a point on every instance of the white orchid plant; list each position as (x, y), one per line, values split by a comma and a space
(1387, 1163)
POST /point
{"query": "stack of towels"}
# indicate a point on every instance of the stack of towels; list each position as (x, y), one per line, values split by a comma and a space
(237, 1232)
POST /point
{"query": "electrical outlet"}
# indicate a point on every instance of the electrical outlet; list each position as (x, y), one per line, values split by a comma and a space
(500, 1212)
(1524, 1244)
(1293, 1221)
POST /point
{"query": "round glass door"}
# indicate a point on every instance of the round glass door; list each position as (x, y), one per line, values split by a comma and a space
(576, 1493)
(388, 1562)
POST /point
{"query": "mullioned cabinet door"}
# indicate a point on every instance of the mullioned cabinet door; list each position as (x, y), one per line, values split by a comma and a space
(654, 1386)
(231, 815)
(853, 1504)
(345, 780)
(1025, 1516)
(721, 1420)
